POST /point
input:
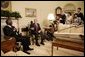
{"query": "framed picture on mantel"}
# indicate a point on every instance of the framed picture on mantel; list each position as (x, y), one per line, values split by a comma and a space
(29, 12)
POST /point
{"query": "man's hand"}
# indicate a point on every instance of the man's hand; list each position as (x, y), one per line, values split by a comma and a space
(32, 28)
(15, 29)
(39, 31)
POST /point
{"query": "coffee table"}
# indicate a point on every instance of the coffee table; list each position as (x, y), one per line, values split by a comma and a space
(68, 45)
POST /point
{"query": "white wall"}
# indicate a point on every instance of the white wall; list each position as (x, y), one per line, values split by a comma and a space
(43, 9)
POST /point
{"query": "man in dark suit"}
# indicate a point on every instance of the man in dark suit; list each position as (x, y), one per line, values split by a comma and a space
(11, 31)
(31, 28)
(37, 31)
(31, 31)
(80, 14)
(63, 16)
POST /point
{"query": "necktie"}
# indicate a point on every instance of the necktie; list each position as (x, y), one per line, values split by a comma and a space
(36, 27)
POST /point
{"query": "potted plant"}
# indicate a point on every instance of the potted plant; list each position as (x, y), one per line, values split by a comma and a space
(15, 14)
(10, 14)
(5, 14)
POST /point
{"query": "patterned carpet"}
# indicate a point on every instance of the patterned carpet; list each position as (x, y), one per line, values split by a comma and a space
(45, 50)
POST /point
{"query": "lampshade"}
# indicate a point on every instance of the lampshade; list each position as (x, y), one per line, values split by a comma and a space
(51, 17)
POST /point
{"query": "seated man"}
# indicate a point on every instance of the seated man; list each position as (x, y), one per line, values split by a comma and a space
(77, 20)
(36, 31)
(50, 32)
(31, 30)
(11, 31)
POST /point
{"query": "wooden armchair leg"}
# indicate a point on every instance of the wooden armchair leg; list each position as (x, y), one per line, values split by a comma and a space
(52, 51)
(57, 47)
(32, 41)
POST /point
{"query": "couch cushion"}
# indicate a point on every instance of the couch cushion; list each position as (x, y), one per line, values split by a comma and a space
(69, 36)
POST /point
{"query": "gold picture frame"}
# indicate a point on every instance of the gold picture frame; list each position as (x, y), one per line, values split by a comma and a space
(6, 5)
(29, 12)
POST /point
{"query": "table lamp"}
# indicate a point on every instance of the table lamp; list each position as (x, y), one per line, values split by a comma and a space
(51, 17)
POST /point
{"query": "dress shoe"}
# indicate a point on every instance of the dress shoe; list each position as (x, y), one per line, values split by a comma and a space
(26, 52)
(30, 49)
(37, 45)
(42, 43)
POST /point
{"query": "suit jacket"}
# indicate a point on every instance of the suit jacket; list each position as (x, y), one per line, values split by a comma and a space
(31, 30)
(63, 18)
(9, 31)
(80, 15)
(36, 28)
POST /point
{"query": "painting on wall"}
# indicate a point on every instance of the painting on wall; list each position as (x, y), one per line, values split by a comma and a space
(6, 5)
(29, 12)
